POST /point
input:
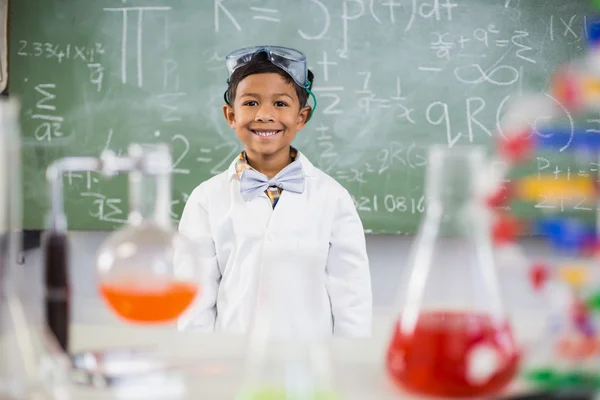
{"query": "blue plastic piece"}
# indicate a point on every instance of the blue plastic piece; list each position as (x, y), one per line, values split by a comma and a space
(558, 138)
(593, 32)
(566, 234)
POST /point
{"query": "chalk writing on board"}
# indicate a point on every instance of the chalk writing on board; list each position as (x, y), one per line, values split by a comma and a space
(390, 203)
(50, 123)
(170, 75)
(220, 8)
(178, 201)
(265, 14)
(353, 10)
(226, 160)
(106, 209)
(205, 155)
(446, 44)
(331, 93)
(138, 39)
(430, 69)
(399, 154)
(545, 167)
(474, 74)
(91, 178)
(326, 64)
(328, 157)
(326, 22)
(181, 148)
(441, 45)
(59, 52)
(346, 17)
(567, 27)
(540, 120)
(96, 75)
(168, 108)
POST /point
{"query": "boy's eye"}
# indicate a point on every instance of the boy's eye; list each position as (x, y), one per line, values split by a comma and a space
(280, 104)
(250, 103)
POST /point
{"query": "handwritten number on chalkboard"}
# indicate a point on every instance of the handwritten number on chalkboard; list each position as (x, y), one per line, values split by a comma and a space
(579, 207)
(184, 153)
(542, 203)
(23, 45)
(513, 5)
(220, 167)
(38, 50)
(363, 204)
(331, 108)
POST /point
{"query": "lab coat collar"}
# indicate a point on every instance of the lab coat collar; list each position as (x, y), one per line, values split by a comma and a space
(307, 166)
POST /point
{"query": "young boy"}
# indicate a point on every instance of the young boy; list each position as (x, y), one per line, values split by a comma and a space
(272, 197)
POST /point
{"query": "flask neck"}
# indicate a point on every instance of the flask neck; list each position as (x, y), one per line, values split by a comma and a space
(452, 175)
(451, 189)
(149, 198)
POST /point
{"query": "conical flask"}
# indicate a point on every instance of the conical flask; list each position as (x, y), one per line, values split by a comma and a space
(288, 355)
(452, 337)
(32, 365)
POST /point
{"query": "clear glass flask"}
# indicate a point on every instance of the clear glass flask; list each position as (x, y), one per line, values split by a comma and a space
(32, 364)
(288, 355)
(148, 273)
(452, 337)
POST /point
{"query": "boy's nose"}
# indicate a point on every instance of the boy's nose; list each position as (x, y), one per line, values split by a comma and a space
(264, 114)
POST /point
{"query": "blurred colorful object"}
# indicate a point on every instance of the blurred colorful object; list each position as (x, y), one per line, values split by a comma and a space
(568, 356)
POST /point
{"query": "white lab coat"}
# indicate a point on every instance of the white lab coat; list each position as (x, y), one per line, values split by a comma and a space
(237, 239)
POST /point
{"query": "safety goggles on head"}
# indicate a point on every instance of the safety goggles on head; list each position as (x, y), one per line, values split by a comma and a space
(292, 61)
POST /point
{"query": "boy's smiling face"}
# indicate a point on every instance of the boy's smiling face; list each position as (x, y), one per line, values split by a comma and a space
(266, 115)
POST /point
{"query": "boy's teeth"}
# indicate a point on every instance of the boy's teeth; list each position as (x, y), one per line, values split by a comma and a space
(265, 133)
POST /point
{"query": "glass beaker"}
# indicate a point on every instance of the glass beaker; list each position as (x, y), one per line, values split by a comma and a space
(32, 364)
(288, 355)
(148, 273)
(452, 338)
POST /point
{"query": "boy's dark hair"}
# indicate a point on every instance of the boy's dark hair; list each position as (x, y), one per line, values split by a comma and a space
(260, 64)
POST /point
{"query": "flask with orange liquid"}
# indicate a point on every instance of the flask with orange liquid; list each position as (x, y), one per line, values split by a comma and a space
(147, 272)
(452, 338)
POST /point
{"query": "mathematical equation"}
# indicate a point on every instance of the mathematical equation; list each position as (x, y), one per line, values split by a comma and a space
(581, 169)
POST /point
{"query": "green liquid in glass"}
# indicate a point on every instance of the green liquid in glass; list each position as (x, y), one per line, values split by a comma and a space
(281, 394)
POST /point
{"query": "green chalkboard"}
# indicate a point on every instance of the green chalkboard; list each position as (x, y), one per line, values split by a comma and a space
(392, 77)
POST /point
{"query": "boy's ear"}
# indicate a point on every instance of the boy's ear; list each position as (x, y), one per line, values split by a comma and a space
(303, 116)
(229, 115)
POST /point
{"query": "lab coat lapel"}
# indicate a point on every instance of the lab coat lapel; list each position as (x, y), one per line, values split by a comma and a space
(291, 209)
(251, 218)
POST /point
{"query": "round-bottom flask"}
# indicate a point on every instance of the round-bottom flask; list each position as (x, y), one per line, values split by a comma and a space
(148, 273)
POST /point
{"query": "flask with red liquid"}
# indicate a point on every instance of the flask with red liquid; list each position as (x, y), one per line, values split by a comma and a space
(452, 337)
(148, 273)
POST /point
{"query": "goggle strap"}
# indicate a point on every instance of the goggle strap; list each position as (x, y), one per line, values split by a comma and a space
(314, 100)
